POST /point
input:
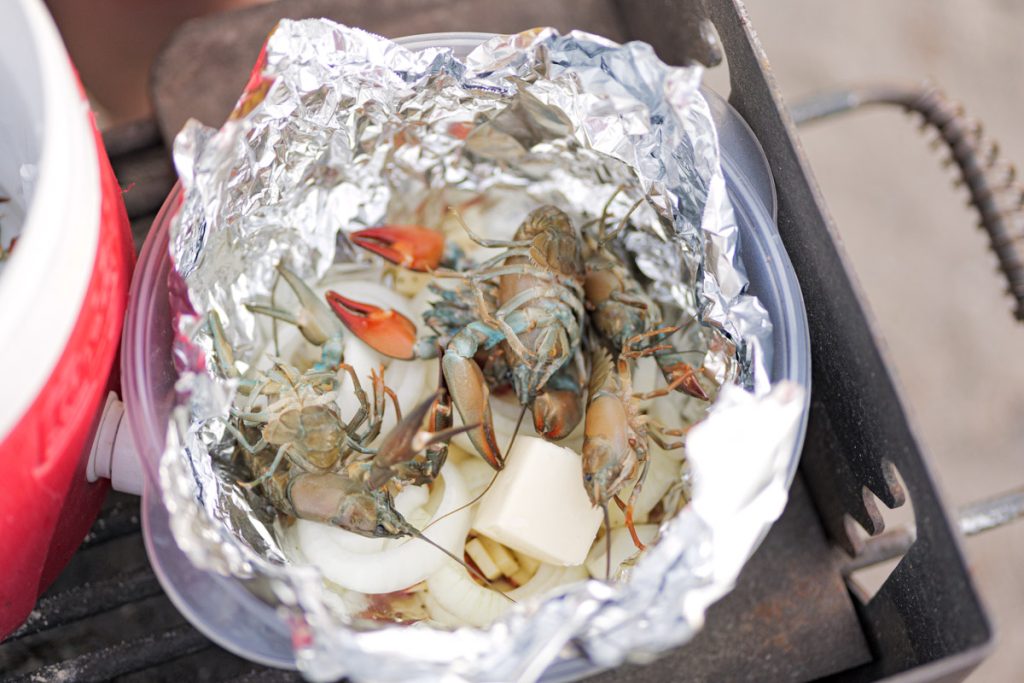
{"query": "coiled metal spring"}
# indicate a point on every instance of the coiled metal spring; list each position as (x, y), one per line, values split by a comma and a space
(991, 181)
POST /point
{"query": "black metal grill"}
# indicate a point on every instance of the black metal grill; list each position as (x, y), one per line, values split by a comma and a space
(791, 616)
(106, 618)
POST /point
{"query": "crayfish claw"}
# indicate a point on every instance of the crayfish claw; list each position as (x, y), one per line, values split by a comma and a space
(385, 330)
(556, 413)
(472, 399)
(686, 381)
(406, 440)
(410, 246)
(314, 320)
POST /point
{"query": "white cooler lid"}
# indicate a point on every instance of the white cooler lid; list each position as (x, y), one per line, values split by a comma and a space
(45, 133)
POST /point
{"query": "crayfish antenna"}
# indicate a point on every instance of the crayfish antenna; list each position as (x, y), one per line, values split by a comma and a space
(607, 543)
(515, 433)
(415, 533)
(493, 478)
(465, 505)
(273, 321)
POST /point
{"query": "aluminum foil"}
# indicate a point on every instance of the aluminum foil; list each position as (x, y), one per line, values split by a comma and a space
(340, 130)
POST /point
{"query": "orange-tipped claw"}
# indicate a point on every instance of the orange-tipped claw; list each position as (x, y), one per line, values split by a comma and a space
(684, 378)
(556, 413)
(410, 246)
(385, 330)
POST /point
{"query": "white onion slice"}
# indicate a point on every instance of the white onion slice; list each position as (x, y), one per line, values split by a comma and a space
(412, 502)
(439, 615)
(346, 541)
(402, 562)
(410, 498)
(547, 578)
(476, 473)
(460, 597)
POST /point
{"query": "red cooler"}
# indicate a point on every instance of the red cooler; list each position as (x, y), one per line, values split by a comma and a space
(63, 292)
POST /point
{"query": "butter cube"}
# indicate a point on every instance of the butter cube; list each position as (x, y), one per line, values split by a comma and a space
(537, 505)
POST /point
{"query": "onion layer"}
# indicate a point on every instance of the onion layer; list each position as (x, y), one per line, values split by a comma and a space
(622, 549)
(401, 563)
(460, 597)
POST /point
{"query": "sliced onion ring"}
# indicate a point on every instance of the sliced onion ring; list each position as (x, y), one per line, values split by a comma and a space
(401, 563)
(459, 596)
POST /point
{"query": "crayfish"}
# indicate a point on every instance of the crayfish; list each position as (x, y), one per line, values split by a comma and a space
(624, 315)
(306, 458)
(519, 319)
(625, 322)
(526, 302)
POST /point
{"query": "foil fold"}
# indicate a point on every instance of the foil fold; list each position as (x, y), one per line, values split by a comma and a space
(345, 130)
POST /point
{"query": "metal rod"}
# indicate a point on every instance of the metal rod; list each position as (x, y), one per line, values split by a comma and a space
(828, 104)
(991, 513)
(990, 181)
(886, 546)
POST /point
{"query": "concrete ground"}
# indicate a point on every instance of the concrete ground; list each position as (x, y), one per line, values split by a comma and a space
(924, 270)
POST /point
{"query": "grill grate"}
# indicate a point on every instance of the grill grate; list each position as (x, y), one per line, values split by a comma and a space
(125, 657)
(88, 599)
(107, 619)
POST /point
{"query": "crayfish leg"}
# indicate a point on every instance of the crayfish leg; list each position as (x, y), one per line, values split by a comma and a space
(632, 528)
(633, 495)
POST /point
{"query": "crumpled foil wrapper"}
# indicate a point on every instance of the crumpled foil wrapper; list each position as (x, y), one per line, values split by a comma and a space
(340, 130)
